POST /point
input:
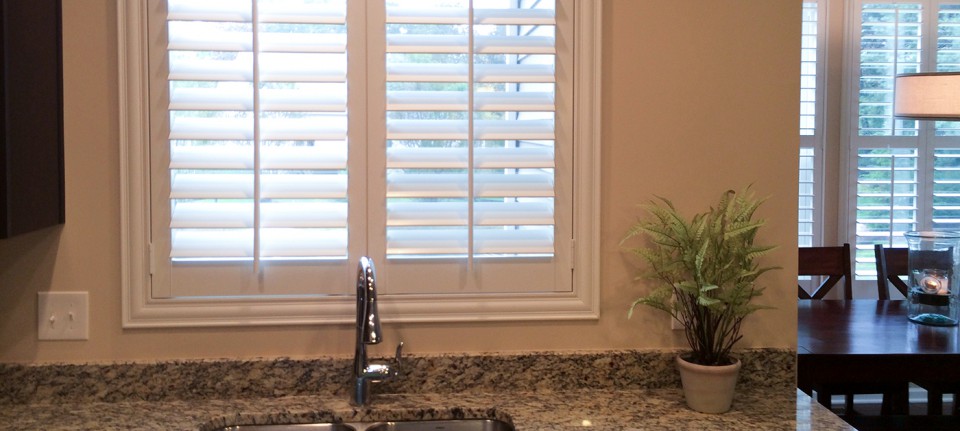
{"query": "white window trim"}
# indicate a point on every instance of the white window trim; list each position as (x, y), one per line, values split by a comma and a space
(140, 310)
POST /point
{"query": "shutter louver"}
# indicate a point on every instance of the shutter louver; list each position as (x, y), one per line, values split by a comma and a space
(470, 128)
(258, 129)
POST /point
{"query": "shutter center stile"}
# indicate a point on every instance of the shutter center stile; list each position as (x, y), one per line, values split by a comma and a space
(256, 134)
(470, 136)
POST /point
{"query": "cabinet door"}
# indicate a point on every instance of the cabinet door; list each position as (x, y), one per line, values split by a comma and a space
(31, 94)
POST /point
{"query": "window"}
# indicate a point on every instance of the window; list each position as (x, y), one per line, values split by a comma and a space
(903, 171)
(268, 144)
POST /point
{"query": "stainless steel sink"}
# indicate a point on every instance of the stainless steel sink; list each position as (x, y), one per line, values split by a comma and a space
(292, 427)
(443, 425)
(451, 425)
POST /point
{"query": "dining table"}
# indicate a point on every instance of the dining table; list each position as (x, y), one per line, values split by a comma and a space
(863, 341)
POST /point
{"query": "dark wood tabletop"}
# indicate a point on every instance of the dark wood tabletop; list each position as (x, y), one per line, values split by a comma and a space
(866, 340)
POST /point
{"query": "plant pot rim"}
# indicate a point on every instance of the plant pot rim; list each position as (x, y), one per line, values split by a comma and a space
(685, 358)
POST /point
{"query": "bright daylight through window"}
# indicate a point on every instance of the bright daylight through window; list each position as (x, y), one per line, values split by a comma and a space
(270, 143)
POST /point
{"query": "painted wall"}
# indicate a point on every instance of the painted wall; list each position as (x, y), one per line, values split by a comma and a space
(698, 97)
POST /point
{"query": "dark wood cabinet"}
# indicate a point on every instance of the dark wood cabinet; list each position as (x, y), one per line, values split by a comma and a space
(31, 116)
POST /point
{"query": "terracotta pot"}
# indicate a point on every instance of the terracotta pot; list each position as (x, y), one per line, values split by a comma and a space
(708, 388)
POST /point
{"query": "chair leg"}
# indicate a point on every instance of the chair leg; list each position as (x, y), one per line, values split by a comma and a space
(824, 399)
(848, 404)
(956, 404)
(934, 402)
(895, 402)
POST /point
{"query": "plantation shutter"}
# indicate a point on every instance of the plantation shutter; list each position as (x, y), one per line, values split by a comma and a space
(257, 137)
(906, 170)
(470, 130)
(471, 139)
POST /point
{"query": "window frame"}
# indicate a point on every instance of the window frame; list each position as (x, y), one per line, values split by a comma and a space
(141, 309)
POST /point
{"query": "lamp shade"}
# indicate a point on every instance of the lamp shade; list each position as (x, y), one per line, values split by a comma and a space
(927, 96)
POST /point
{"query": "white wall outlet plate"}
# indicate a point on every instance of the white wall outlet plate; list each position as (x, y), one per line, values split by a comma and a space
(63, 316)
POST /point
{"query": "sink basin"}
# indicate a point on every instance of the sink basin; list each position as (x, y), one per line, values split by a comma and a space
(291, 427)
(443, 425)
(451, 425)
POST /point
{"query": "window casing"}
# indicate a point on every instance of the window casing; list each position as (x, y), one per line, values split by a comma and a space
(250, 191)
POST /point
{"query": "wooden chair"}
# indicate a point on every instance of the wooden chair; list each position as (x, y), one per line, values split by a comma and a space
(833, 262)
(891, 265)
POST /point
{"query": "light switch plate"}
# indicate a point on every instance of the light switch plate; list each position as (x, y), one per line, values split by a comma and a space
(63, 316)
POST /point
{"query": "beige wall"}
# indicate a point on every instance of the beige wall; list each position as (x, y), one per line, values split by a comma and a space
(698, 96)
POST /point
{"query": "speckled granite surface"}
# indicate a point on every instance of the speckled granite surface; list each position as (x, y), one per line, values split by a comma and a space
(535, 391)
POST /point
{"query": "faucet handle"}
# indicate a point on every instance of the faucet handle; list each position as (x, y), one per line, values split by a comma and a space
(398, 358)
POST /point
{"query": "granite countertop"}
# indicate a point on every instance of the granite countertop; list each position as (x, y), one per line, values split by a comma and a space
(600, 410)
(550, 392)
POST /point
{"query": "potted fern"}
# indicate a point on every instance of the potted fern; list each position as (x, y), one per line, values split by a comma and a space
(706, 273)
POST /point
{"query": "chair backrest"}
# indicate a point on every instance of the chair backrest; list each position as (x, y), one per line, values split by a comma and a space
(833, 262)
(893, 263)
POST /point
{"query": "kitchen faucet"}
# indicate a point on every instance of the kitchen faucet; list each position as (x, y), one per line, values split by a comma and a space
(368, 332)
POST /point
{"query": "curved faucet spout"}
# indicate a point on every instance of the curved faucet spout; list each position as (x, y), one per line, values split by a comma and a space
(368, 332)
(368, 318)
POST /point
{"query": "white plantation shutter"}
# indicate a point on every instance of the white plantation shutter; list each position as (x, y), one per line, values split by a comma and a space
(470, 128)
(257, 130)
(255, 144)
(811, 135)
(906, 170)
(287, 138)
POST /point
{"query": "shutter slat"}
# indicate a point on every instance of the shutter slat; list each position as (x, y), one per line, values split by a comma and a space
(291, 42)
(441, 44)
(514, 16)
(304, 214)
(481, 16)
(454, 241)
(210, 41)
(456, 158)
(420, 43)
(273, 186)
(400, 185)
(305, 157)
(483, 129)
(202, 214)
(520, 73)
(211, 186)
(303, 100)
(239, 157)
(274, 129)
(210, 70)
(457, 101)
(515, 45)
(211, 157)
(304, 129)
(303, 243)
(210, 10)
(427, 100)
(301, 13)
(455, 213)
(303, 70)
(293, 186)
(220, 244)
(221, 98)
